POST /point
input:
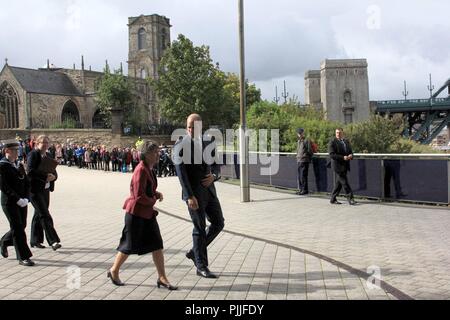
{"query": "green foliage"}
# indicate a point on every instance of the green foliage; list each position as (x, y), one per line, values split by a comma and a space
(287, 118)
(189, 82)
(375, 135)
(68, 123)
(403, 145)
(115, 91)
(233, 97)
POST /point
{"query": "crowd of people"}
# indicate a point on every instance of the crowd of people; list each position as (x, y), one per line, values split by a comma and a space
(88, 156)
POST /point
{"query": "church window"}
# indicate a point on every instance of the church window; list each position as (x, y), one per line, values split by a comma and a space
(141, 39)
(98, 121)
(143, 73)
(70, 114)
(347, 96)
(163, 39)
(9, 106)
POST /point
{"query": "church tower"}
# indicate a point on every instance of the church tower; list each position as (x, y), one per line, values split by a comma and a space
(149, 36)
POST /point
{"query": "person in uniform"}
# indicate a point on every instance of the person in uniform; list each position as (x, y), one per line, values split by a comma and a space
(14, 200)
(42, 183)
(141, 233)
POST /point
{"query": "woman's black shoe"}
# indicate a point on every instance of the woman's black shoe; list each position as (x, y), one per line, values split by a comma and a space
(159, 283)
(40, 246)
(4, 251)
(116, 282)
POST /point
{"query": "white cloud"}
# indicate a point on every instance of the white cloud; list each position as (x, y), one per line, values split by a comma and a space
(402, 40)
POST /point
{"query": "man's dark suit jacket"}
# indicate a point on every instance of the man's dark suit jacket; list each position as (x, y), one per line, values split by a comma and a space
(191, 175)
(37, 178)
(337, 153)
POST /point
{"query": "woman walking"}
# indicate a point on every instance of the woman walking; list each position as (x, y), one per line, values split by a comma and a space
(14, 199)
(141, 233)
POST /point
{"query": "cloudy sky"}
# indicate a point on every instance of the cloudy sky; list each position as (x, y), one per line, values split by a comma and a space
(402, 40)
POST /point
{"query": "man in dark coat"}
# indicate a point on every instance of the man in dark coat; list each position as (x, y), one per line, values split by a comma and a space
(14, 200)
(197, 174)
(341, 154)
(304, 156)
(42, 183)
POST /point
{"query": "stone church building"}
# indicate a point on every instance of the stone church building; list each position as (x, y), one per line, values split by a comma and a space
(35, 99)
(340, 89)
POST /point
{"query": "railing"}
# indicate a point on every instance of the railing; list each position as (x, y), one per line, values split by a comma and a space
(420, 178)
(434, 104)
(150, 130)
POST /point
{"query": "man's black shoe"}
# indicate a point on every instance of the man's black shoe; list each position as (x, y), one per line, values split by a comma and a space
(299, 192)
(56, 246)
(190, 255)
(303, 193)
(26, 263)
(352, 202)
(205, 273)
(4, 251)
(335, 202)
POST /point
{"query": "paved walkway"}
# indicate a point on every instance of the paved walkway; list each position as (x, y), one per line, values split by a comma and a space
(279, 246)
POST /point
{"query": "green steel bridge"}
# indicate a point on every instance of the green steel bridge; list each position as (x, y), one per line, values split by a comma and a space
(425, 117)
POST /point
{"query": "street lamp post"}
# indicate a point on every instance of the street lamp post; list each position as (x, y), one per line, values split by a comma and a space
(245, 186)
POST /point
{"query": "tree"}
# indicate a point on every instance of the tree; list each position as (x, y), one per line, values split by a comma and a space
(189, 82)
(114, 90)
(375, 135)
(232, 105)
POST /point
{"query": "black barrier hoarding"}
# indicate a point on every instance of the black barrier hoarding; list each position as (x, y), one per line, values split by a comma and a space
(286, 176)
(365, 177)
(416, 180)
(419, 180)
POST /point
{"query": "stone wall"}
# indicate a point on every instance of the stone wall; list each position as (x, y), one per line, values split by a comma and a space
(46, 109)
(312, 89)
(81, 136)
(345, 90)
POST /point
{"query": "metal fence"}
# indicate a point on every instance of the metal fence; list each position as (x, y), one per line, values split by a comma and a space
(387, 177)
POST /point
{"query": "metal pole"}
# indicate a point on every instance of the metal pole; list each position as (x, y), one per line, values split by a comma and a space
(244, 177)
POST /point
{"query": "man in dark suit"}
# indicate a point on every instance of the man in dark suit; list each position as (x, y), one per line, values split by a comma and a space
(197, 175)
(341, 154)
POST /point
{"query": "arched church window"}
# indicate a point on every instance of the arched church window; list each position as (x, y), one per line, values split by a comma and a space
(163, 39)
(9, 106)
(70, 113)
(347, 96)
(143, 73)
(141, 39)
(98, 121)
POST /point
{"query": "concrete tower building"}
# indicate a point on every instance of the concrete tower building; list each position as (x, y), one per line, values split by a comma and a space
(344, 90)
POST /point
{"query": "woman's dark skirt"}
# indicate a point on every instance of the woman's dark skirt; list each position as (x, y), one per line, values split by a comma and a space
(140, 236)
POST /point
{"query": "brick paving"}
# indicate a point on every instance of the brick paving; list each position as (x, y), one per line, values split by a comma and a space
(279, 246)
